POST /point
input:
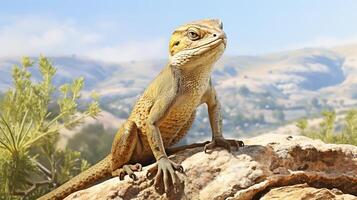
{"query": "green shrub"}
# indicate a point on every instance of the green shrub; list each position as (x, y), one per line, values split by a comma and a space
(326, 129)
(30, 163)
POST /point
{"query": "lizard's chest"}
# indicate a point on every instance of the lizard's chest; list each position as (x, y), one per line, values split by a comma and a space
(183, 108)
(180, 112)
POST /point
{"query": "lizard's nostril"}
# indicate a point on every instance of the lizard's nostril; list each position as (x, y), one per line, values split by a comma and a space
(214, 35)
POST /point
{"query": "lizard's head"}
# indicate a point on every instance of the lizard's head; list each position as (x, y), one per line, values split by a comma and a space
(199, 42)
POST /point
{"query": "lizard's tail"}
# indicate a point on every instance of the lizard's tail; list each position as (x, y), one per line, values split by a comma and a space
(95, 173)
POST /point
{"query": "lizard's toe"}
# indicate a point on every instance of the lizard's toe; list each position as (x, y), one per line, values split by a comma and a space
(152, 171)
(225, 143)
(235, 143)
(209, 146)
(128, 170)
(165, 177)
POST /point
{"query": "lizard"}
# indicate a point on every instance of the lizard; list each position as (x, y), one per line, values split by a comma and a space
(165, 111)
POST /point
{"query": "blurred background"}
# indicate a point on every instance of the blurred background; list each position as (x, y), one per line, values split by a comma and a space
(288, 66)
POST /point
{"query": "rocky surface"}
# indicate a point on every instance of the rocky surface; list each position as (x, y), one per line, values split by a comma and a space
(270, 166)
(304, 191)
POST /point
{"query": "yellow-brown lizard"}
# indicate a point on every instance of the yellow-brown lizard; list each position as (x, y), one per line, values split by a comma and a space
(165, 111)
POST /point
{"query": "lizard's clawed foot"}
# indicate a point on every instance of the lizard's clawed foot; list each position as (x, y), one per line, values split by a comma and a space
(225, 143)
(127, 170)
(165, 171)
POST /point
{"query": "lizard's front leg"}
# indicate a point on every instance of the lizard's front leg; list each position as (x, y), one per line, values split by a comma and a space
(164, 167)
(215, 118)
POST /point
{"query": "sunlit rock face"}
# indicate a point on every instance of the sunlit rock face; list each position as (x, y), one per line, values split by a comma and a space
(270, 166)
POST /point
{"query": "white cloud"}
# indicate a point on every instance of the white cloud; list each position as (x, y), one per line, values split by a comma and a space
(33, 36)
(325, 42)
(145, 50)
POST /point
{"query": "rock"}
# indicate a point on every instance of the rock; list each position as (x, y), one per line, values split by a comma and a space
(303, 191)
(270, 166)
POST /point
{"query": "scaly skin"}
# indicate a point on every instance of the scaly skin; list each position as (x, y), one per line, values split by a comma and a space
(165, 111)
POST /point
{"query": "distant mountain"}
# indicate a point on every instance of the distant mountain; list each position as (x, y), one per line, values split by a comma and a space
(257, 92)
(68, 68)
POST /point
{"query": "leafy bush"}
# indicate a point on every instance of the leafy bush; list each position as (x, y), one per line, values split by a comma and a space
(30, 163)
(326, 130)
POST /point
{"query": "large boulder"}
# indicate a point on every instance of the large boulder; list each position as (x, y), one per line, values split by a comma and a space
(270, 166)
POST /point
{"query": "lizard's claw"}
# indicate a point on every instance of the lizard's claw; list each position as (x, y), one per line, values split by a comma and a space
(127, 170)
(225, 143)
(165, 171)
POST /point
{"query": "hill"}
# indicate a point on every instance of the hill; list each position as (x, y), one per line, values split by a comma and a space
(258, 93)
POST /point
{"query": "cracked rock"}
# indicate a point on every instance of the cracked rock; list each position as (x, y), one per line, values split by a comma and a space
(269, 167)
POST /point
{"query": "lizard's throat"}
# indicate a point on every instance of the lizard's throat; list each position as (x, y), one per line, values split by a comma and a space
(193, 74)
(201, 69)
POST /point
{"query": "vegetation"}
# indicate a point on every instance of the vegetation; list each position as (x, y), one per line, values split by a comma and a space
(30, 163)
(327, 132)
(92, 141)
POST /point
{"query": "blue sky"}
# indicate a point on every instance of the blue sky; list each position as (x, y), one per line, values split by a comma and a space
(118, 31)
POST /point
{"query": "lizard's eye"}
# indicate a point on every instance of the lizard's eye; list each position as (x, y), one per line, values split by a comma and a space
(193, 35)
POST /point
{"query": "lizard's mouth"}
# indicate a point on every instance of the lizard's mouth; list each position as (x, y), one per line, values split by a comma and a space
(209, 46)
(212, 43)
